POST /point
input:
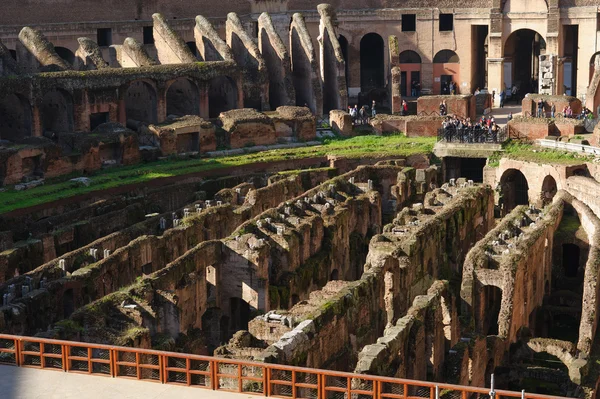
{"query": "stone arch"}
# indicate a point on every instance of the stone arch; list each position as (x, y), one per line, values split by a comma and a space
(371, 62)
(57, 111)
(65, 54)
(335, 275)
(514, 189)
(183, 98)
(549, 189)
(410, 67)
(446, 69)
(521, 51)
(15, 122)
(222, 95)
(141, 102)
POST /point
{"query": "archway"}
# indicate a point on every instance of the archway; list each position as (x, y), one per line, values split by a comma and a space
(371, 62)
(446, 69)
(570, 259)
(240, 315)
(334, 275)
(183, 98)
(140, 102)
(549, 190)
(344, 46)
(515, 190)
(57, 111)
(222, 95)
(492, 302)
(15, 122)
(521, 60)
(410, 66)
(65, 54)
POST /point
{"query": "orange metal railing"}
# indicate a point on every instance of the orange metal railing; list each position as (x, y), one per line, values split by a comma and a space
(213, 373)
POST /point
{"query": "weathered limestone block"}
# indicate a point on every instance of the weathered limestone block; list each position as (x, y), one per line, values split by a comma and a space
(305, 72)
(332, 63)
(247, 127)
(247, 55)
(277, 59)
(296, 123)
(8, 65)
(169, 45)
(88, 56)
(208, 42)
(341, 122)
(133, 54)
(37, 54)
(185, 134)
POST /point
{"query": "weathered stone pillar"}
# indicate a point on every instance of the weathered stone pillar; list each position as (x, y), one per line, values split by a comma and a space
(81, 111)
(547, 82)
(36, 121)
(204, 107)
(161, 102)
(395, 76)
(496, 78)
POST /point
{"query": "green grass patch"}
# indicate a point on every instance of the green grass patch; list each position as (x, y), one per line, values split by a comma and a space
(530, 153)
(356, 147)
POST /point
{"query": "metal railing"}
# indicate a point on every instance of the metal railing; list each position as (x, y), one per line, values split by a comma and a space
(572, 147)
(472, 135)
(219, 374)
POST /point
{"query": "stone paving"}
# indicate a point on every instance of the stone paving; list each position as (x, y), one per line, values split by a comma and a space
(26, 383)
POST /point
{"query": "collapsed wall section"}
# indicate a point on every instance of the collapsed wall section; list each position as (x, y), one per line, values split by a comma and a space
(247, 55)
(305, 72)
(333, 65)
(277, 60)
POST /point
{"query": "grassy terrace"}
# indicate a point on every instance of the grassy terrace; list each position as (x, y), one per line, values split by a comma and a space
(529, 153)
(362, 146)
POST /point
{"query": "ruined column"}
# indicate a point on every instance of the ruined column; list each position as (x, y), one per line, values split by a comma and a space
(333, 66)
(161, 102)
(548, 70)
(395, 76)
(204, 104)
(248, 57)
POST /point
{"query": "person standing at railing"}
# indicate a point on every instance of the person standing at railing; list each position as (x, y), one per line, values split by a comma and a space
(540, 108)
(404, 107)
(552, 110)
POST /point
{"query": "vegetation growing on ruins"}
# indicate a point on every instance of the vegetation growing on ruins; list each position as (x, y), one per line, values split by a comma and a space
(355, 147)
(527, 152)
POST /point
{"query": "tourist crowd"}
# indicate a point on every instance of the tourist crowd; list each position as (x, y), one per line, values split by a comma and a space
(455, 128)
